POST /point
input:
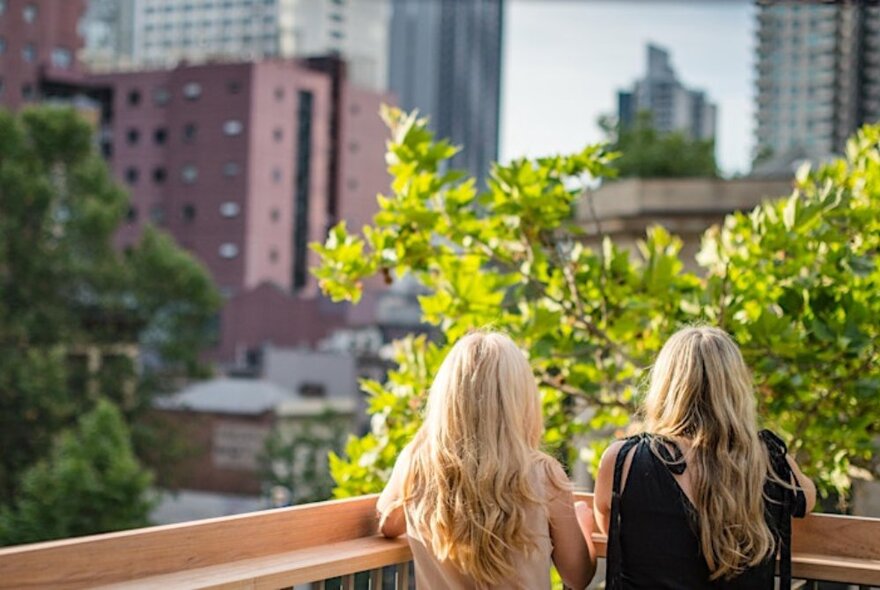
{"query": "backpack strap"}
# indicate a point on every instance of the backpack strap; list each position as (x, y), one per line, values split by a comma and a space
(791, 499)
(614, 571)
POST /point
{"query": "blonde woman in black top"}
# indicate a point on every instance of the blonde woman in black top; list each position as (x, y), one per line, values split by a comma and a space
(701, 499)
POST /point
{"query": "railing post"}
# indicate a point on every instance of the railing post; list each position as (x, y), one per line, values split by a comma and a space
(403, 576)
(376, 579)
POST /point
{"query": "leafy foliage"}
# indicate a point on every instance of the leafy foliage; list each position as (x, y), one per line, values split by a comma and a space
(795, 281)
(90, 483)
(648, 153)
(64, 288)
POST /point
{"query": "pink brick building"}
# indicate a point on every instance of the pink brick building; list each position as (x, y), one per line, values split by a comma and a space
(37, 37)
(246, 165)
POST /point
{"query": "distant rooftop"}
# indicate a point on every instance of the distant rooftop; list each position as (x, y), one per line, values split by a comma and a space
(229, 396)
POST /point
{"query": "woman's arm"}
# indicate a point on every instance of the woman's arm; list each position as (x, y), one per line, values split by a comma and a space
(804, 483)
(604, 483)
(573, 552)
(392, 521)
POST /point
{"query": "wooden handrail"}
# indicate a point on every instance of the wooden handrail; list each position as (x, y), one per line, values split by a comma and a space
(287, 546)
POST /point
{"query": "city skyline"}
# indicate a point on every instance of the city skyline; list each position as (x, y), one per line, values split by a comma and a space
(554, 88)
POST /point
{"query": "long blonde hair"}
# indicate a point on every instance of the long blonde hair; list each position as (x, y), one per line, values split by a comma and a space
(701, 390)
(468, 487)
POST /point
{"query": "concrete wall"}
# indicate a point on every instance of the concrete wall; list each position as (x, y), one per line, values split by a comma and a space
(297, 369)
(686, 207)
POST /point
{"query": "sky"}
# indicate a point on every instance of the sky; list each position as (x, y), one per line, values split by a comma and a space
(565, 60)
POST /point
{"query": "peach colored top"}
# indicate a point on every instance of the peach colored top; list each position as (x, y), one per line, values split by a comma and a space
(532, 571)
(552, 524)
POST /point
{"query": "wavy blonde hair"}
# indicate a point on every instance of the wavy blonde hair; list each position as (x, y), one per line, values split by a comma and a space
(468, 487)
(701, 390)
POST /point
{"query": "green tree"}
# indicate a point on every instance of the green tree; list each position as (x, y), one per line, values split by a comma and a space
(64, 288)
(648, 153)
(295, 456)
(796, 281)
(90, 483)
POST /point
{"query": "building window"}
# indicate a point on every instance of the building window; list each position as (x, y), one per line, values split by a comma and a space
(188, 212)
(302, 189)
(353, 147)
(275, 215)
(160, 135)
(29, 13)
(279, 93)
(62, 58)
(231, 169)
(161, 97)
(228, 250)
(276, 175)
(273, 255)
(278, 134)
(27, 92)
(132, 214)
(234, 87)
(159, 175)
(134, 97)
(133, 136)
(233, 127)
(157, 214)
(107, 148)
(190, 131)
(352, 184)
(192, 90)
(2, 7)
(2, 45)
(312, 390)
(131, 175)
(229, 209)
(29, 52)
(189, 174)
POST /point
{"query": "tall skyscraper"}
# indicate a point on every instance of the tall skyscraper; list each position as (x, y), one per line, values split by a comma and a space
(672, 106)
(123, 33)
(446, 61)
(818, 75)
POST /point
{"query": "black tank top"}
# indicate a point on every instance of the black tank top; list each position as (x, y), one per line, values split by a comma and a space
(654, 526)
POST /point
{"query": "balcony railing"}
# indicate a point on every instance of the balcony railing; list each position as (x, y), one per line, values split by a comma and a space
(334, 540)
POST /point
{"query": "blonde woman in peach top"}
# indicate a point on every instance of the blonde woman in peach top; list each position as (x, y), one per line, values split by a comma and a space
(483, 507)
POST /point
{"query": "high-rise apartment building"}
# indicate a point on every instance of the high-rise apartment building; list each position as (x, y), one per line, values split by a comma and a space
(672, 106)
(446, 61)
(231, 159)
(818, 75)
(108, 28)
(125, 33)
(246, 165)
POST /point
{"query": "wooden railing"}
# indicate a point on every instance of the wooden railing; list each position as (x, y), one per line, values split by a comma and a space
(317, 542)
